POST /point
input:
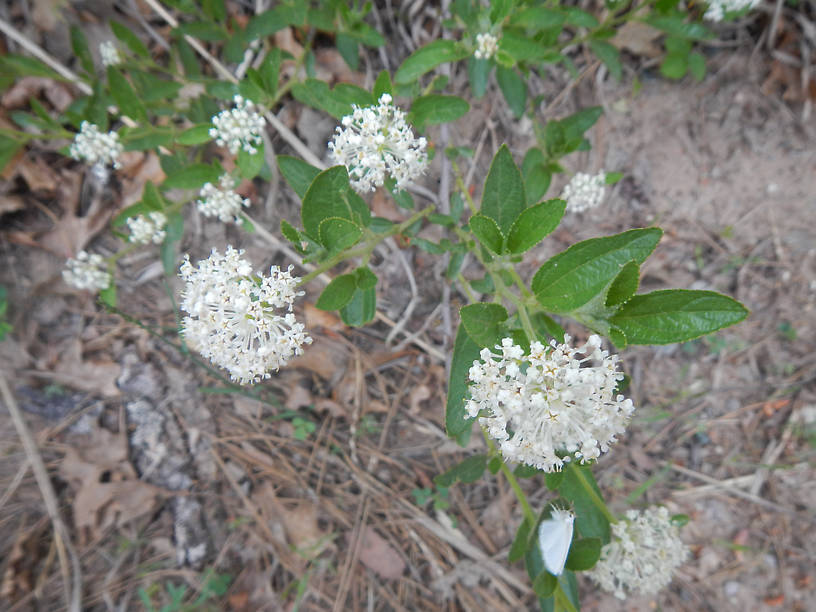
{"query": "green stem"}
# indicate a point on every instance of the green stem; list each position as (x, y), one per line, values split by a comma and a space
(519, 282)
(366, 248)
(529, 515)
(591, 493)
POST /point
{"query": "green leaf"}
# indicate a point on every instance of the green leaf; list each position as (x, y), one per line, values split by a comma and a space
(478, 73)
(330, 195)
(267, 23)
(348, 49)
(676, 26)
(290, 232)
(465, 352)
(434, 108)
(469, 470)
(536, 175)
(361, 309)
(192, 177)
(519, 546)
(697, 65)
(503, 193)
(589, 520)
(427, 58)
(337, 293)
(198, 134)
(609, 55)
(624, 285)
(214, 9)
(297, 173)
(546, 326)
(168, 251)
(553, 480)
(522, 48)
(337, 102)
(366, 279)
(538, 18)
(383, 85)
(573, 277)
(125, 96)
(250, 164)
(145, 137)
(533, 224)
(576, 16)
(22, 65)
(583, 554)
(203, 31)
(544, 584)
(483, 323)
(337, 234)
(152, 88)
(526, 471)
(674, 65)
(107, 296)
(488, 233)
(514, 89)
(576, 124)
(79, 44)
(130, 40)
(676, 315)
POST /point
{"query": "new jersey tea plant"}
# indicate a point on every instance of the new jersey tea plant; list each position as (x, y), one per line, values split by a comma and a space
(549, 405)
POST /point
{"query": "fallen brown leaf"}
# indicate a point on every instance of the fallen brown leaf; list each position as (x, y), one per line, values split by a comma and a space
(379, 556)
(93, 376)
(108, 491)
(325, 357)
(38, 175)
(638, 38)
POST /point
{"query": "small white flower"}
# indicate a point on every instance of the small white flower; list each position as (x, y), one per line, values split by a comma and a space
(222, 201)
(717, 9)
(97, 149)
(239, 128)
(377, 141)
(486, 46)
(87, 271)
(235, 316)
(644, 552)
(147, 229)
(584, 191)
(544, 407)
(110, 53)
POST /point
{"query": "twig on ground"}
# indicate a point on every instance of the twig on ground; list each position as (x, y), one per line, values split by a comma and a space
(730, 490)
(69, 562)
(409, 309)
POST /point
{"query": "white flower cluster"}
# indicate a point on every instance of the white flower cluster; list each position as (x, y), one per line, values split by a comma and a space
(87, 271)
(717, 9)
(644, 552)
(110, 54)
(97, 149)
(584, 191)
(486, 46)
(146, 229)
(377, 140)
(234, 315)
(239, 128)
(222, 201)
(544, 407)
